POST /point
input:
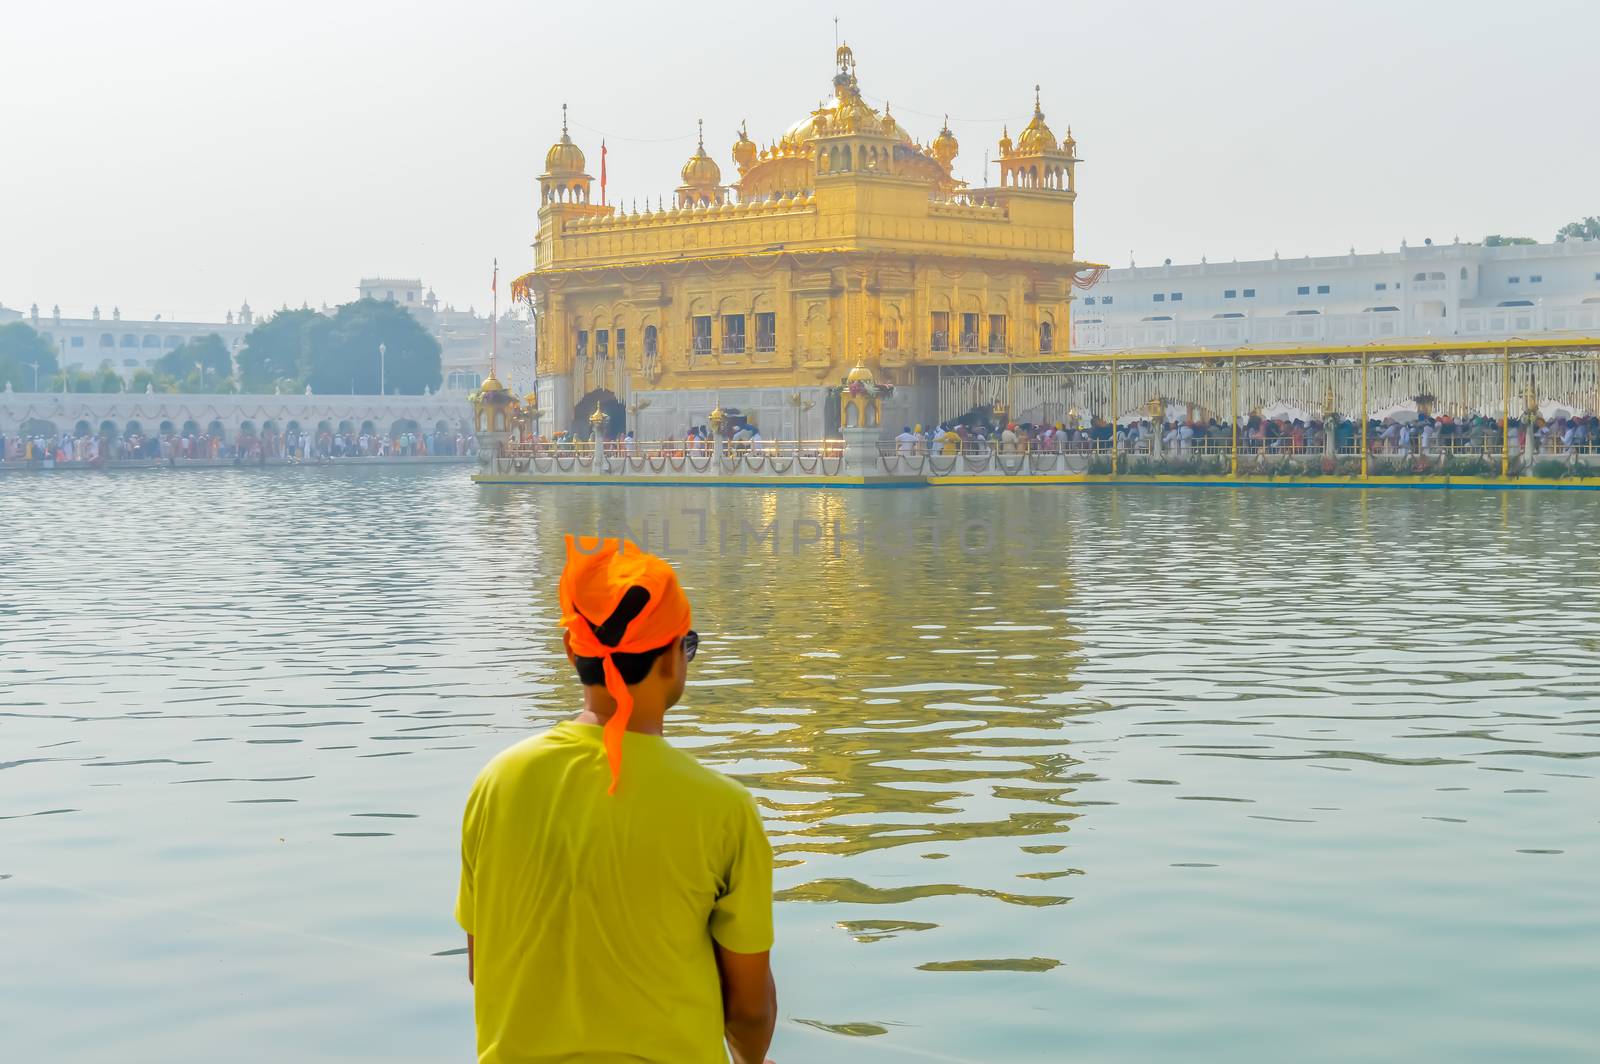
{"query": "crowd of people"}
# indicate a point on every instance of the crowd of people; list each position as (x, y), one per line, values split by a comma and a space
(292, 446)
(1419, 435)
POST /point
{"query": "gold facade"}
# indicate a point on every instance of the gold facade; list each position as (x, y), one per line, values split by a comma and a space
(844, 240)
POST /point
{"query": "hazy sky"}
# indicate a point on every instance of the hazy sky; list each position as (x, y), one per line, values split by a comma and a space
(178, 158)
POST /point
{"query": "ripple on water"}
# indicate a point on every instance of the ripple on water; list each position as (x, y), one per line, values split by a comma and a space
(1144, 675)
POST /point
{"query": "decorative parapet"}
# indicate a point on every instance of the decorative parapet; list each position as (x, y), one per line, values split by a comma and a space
(671, 216)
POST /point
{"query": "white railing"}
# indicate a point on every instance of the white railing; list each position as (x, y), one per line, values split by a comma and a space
(673, 458)
(1339, 328)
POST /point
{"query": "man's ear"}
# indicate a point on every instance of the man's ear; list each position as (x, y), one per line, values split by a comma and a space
(666, 664)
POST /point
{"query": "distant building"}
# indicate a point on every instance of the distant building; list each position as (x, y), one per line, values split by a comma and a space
(1465, 291)
(128, 345)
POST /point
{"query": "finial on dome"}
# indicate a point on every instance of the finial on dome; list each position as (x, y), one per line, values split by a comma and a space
(563, 120)
(1036, 109)
(701, 122)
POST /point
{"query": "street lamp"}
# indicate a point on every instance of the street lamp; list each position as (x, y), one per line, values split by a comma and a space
(382, 350)
(35, 366)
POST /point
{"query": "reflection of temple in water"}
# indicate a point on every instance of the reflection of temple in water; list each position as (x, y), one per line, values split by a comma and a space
(876, 699)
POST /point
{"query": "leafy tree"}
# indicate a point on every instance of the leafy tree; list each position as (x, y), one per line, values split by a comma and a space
(277, 352)
(344, 356)
(158, 382)
(1495, 240)
(21, 344)
(209, 352)
(107, 379)
(1584, 229)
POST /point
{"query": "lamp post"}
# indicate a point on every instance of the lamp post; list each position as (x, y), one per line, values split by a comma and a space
(801, 404)
(633, 414)
(382, 350)
(35, 367)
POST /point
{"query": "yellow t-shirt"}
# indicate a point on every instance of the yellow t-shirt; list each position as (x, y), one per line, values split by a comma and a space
(593, 914)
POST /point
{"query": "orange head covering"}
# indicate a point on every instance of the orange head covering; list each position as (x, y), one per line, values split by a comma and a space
(598, 574)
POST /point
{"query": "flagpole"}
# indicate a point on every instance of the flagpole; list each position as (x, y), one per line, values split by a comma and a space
(494, 316)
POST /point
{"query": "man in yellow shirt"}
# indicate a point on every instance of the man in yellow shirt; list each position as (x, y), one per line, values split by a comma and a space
(616, 894)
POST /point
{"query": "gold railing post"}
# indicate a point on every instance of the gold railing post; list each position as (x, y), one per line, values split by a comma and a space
(1113, 415)
(1363, 425)
(1505, 412)
(1234, 465)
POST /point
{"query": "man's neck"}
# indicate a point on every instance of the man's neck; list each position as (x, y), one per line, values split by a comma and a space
(598, 707)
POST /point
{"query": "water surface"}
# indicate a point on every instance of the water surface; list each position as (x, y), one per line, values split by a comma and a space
(1052, 773)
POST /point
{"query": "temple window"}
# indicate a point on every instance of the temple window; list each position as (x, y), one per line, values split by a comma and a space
(969, 333)
(107, 340)
(766, 331)
(583, 343)
(891, 335)
(622, 345)
(649, 341)
(940, 340)
(700, 333)
(733, 334)
(997, 334)
(1047, 338)
(602, 344)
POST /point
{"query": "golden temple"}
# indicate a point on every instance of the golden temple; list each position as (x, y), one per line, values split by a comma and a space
(843, 242)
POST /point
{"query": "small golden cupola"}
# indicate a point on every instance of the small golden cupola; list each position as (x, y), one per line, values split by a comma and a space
(744, 150)
(945, 146)
(1036, 137)
(1038, 161)
(563, 180)
(1005, 141)
(702, 178)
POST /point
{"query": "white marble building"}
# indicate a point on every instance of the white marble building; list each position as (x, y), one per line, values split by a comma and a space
(1442, 292)
(125, 413)
(128, 344)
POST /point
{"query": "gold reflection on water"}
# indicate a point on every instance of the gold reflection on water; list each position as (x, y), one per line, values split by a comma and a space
(899, 697)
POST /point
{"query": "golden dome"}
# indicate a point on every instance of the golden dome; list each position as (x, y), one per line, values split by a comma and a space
(1036, 137)
(944, 146)
(807, 129)
(859, 373)
(1005, 140)
(744, 150)
(564, 157)
(491, 383)
(701, 171)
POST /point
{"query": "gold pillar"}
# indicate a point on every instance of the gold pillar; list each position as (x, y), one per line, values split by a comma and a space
(1235, 417)
(1505, 412)
(1363, 426)
(1113, 415)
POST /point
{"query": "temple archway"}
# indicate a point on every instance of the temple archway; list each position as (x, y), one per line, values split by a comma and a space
(609, 404)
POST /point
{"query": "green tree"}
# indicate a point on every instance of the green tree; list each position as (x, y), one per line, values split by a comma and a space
(204, 358)
(20, 345)
(1584, 229)
(344, 356)
(156, 382)
(277, 352)
(107, 379)
(1495, 240)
